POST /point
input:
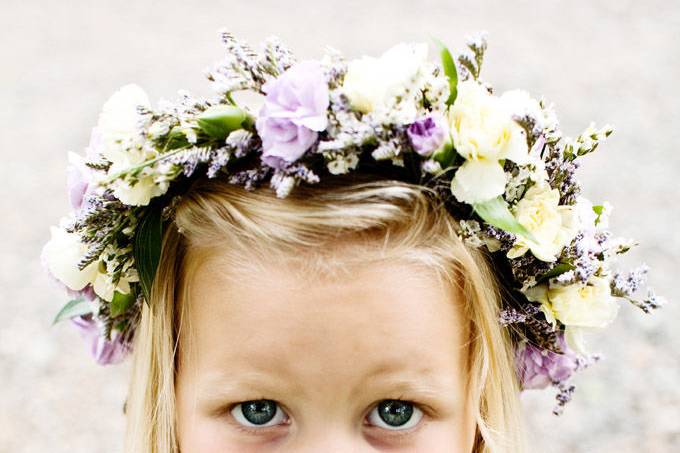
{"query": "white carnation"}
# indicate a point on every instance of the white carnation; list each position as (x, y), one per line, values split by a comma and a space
(371, 83)
(478, 180)
(147, 186)
(484, 133)
(62, 253)
(578, 305)
(104, 286)
(119, 124)
(552, 226)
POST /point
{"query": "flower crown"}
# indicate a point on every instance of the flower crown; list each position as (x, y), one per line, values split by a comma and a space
(500, 162)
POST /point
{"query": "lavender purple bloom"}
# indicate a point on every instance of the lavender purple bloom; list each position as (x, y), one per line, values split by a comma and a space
(428, 134)
(79, 175)
(539, 368)
(293, 114)
(105, 352)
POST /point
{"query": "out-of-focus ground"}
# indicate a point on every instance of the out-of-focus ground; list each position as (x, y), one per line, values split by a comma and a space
(614, 61)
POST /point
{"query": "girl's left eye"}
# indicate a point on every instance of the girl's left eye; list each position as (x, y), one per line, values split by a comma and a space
(395, 415)
(258, 413)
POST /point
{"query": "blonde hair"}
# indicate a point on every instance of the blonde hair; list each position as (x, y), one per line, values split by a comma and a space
(408, 219)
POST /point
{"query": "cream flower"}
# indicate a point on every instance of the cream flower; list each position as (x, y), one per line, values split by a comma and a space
(520, 102)
(104, 287)
(370, 83)
(478, 180)
(144, 189)
(123, 146)
(62, 253)
(484, 133)
(119, 123)
(590, 305)
(552, 226)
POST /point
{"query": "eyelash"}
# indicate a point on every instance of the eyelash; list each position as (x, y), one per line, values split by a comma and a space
(426, 415)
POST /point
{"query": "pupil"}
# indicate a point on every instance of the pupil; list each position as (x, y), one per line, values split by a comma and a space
(259, 412)
(394, 412)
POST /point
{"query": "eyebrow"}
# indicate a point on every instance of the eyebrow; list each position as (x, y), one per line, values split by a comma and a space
(219, 385)
(424, 381)
(421, 383)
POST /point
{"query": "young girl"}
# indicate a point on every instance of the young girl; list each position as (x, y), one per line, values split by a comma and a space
(420, 254)
(348, 317)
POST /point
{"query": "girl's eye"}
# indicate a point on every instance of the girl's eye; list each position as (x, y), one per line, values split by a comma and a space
(395, 415)
(258, 413)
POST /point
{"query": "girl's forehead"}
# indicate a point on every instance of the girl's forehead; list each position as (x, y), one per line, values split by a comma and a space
(392, 318)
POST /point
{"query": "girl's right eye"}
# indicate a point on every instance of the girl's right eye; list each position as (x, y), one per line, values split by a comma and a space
(395, 415)
(258, 413)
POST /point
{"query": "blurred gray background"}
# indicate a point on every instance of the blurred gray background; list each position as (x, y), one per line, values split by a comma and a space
(612, 61)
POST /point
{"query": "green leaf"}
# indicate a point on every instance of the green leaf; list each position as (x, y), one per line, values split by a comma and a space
(219, 121)
(496, 212)
(445, 155)
(176, 139)
(121, 302)
(147, 247)
(599, 209)
(76, 307)
(121, 325)
(559, 269)
(449, 67)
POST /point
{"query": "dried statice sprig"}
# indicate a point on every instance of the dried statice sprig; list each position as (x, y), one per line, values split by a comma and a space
(650, 302)
(562, 174)
(504, 239)
(587, 142)
(527, 268)
(250, 179)
(513, 315)
(471, 232)
(626, 285)
(564, 395)
(244, 69)
(275, 57)
(335, 66)
(99, 225)
(470, 61)
(190, 158)
(533, 128)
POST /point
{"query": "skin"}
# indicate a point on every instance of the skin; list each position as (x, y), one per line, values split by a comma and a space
(327, 351)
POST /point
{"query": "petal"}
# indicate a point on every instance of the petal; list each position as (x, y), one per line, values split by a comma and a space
(62, 254)
(315, 123)
(516, 149)
(478, 180)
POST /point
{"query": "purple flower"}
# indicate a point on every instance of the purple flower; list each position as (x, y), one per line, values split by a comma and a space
(428, 134)
(105, 352)
(79, 175)
(538, 368)
(76, 181)
(293, 114)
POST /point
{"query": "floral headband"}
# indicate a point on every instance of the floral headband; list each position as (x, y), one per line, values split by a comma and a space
(499, 161)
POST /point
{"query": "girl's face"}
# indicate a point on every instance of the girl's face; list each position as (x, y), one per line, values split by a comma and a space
(277, 362)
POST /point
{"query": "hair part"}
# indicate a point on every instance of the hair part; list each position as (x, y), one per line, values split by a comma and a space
(371, 220)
